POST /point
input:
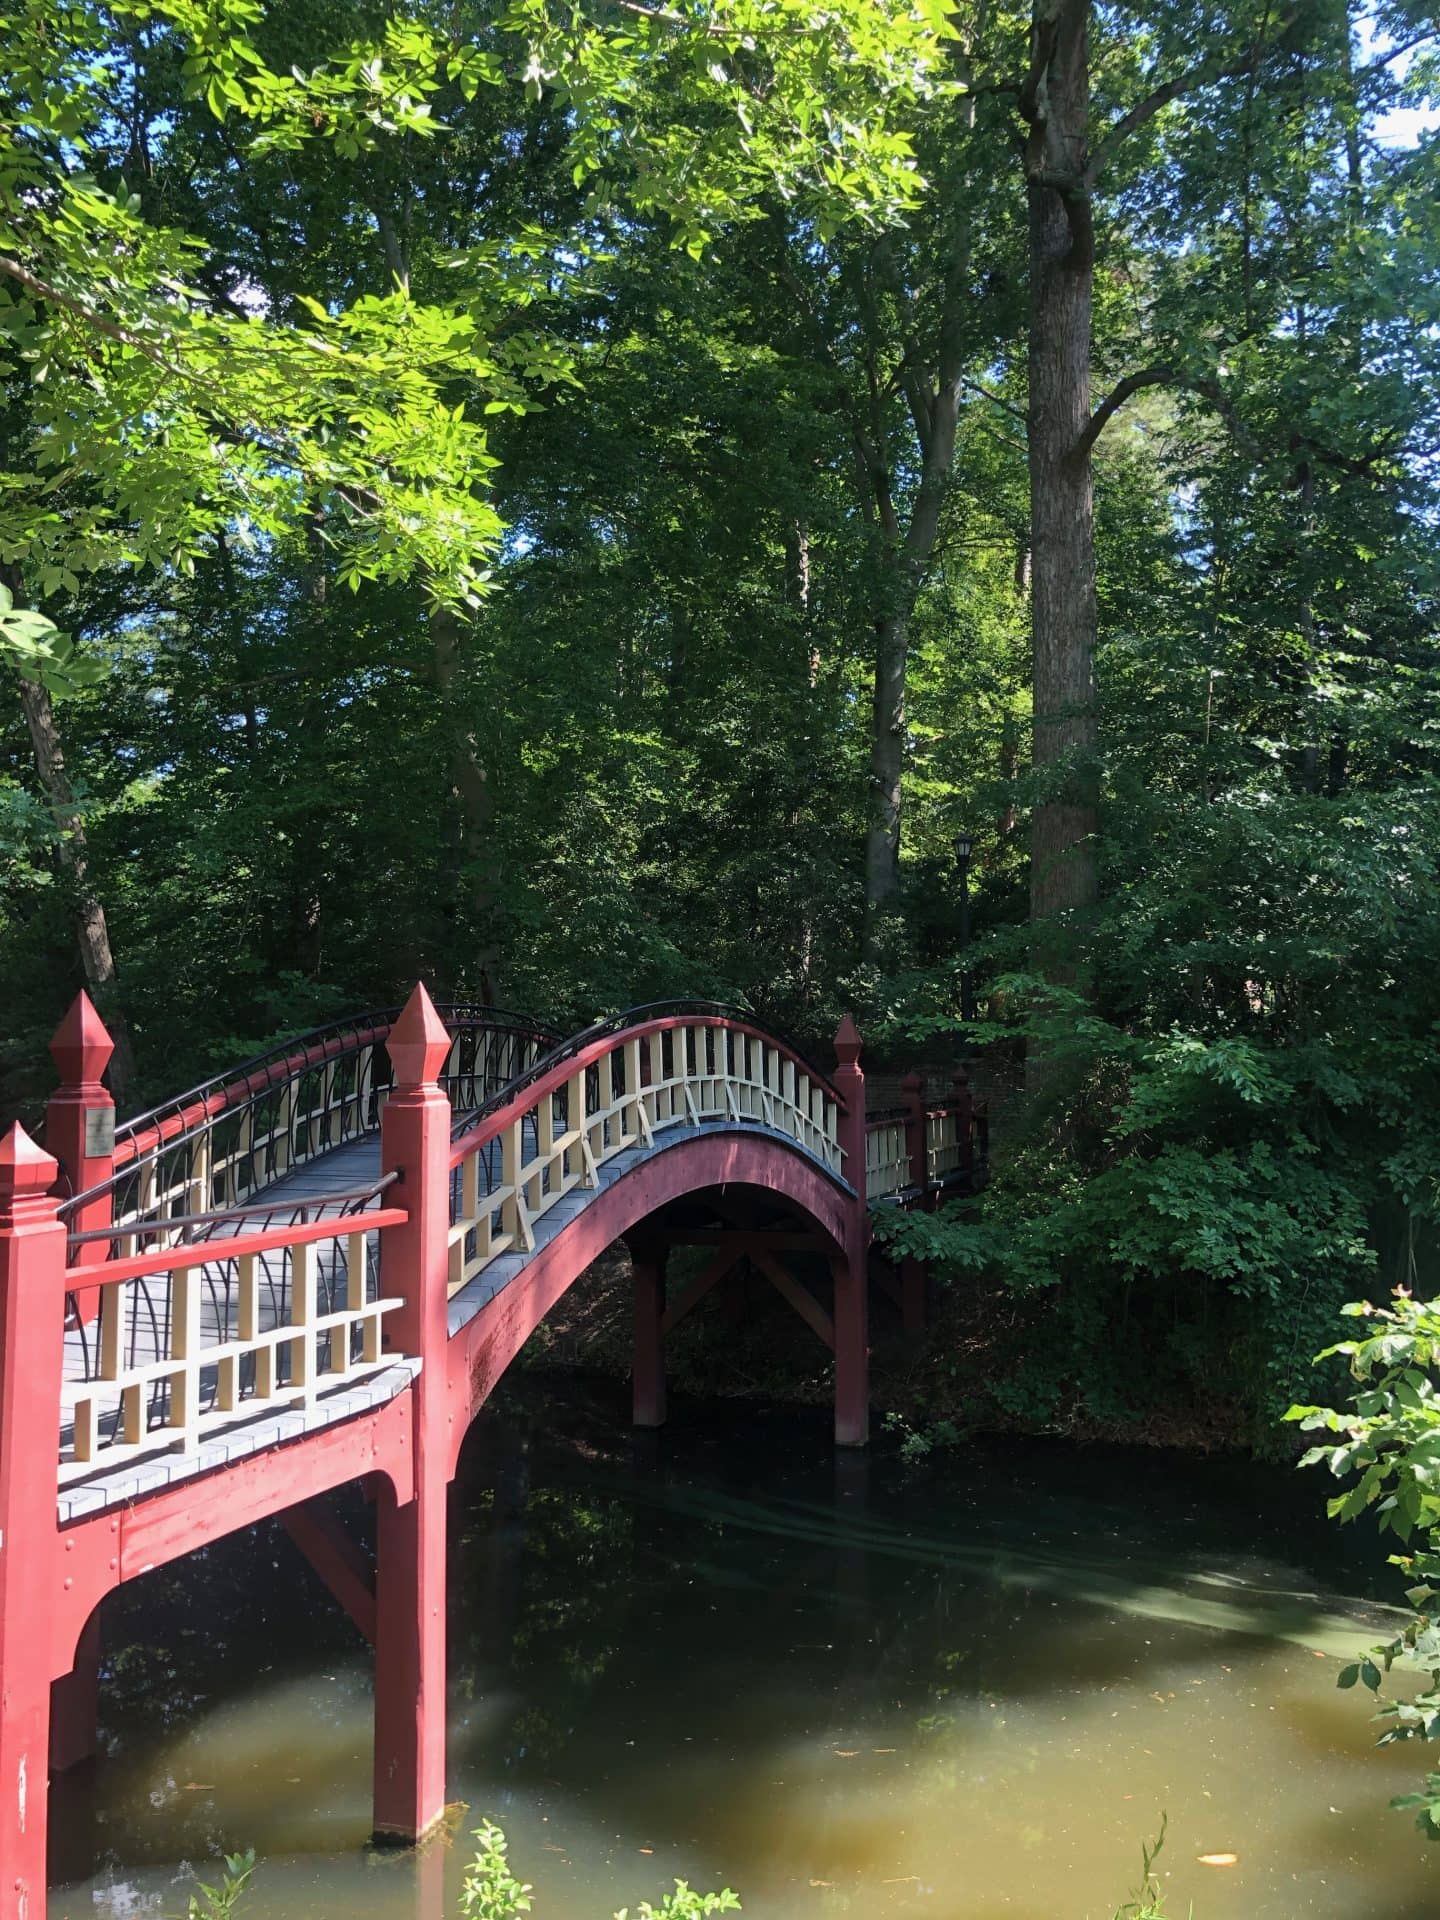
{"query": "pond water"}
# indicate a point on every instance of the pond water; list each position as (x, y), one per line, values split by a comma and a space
(964, 1690)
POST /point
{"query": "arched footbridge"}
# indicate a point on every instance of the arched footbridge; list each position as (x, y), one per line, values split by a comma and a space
(313, 1271)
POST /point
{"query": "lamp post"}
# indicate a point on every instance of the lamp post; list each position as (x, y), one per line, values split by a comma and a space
(964, 847)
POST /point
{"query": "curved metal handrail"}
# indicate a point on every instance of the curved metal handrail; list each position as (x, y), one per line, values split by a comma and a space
(239, 1078)
(344, 1200)
(618, 1023)
(180, 1122)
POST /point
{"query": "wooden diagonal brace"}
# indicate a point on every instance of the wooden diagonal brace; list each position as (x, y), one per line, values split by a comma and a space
(695, 1290)
(800, 1298)
(336, 1558)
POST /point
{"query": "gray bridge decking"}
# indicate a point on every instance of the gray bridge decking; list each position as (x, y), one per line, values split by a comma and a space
(95, 1486)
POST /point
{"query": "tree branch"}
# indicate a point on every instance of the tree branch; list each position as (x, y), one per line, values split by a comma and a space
(1383, 60)
(1359, 466)
(1042, 47)
(996, 399)
(1134, 383)
(1202, 76)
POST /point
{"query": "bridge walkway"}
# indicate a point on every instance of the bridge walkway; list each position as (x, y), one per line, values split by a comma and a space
(306, 1193)
(312, 1192)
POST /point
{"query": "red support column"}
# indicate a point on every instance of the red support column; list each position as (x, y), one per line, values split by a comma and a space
(410, 1544)
(852, 1301)
(912, 1271)
(32, 1268)
(649, 1377)
(80, 1128)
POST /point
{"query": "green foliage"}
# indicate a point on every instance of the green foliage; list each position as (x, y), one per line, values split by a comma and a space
(1388, 1445)
(39, 651)
(684, 1904)
(489, 1891)
(918, 1442)
(1147, 1902)
(151, 408)
(219, 1901)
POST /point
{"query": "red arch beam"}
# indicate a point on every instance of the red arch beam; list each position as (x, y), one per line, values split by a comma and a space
(482, 1350)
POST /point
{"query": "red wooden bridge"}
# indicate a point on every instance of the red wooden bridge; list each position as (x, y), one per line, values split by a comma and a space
(315, 1269)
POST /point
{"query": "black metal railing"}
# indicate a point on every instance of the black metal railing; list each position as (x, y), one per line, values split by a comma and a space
(223, 1142)
(616, 1023)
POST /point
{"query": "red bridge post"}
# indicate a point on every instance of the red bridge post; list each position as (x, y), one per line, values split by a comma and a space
(410, 1552)
(80, 1128)
(852, 1294)
(80, 1132)
(32, 1272)
(648, 1261)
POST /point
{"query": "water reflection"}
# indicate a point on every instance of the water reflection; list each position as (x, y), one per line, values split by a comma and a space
(730, 1655)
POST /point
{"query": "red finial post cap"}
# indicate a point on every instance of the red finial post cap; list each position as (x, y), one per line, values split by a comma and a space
(25, 1169)
(418, 1043)
(912, 1083)
(81, 1048)
(847, 1043)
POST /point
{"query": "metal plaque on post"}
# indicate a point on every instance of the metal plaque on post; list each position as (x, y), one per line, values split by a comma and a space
(99, 1133)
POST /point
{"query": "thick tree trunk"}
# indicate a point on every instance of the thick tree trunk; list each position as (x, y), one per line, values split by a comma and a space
(92, 934)
(797, 599)
(1063, 872)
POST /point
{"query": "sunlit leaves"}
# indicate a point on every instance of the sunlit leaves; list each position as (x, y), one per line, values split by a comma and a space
(157, 416)
(1388, 1445)
(38, 650)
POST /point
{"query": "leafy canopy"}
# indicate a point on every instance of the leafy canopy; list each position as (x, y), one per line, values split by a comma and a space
(152, 409)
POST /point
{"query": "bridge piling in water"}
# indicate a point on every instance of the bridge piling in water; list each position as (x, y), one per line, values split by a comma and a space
(649, 1262)
(851, 1271)
(411, 1536)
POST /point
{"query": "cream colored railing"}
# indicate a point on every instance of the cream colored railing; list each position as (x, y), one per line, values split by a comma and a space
(616, 1094)
(222, 1144)
(945, 1149)
(190, 1340)
(887, 1157)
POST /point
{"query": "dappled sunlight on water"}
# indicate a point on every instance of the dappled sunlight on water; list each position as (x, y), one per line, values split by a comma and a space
(966, 1692)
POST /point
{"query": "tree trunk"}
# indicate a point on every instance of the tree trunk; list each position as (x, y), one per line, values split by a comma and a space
(92, 935)
(1063, 871)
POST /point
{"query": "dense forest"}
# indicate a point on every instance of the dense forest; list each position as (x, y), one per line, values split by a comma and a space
(589, 505)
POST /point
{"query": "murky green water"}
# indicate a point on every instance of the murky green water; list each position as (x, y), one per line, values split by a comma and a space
(966, 1691)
